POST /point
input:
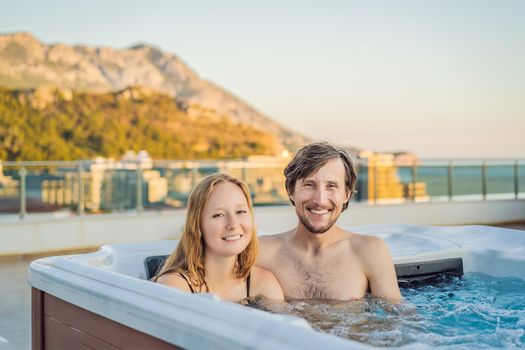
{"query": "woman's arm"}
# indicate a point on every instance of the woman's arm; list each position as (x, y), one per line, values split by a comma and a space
(174, 280)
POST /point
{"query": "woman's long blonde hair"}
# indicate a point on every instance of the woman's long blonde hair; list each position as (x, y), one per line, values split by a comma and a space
(188, 257)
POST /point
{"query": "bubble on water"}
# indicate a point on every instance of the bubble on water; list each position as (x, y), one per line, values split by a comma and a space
(511, 337)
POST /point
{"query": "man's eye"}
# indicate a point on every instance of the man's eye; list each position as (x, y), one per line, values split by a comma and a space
(308, 185)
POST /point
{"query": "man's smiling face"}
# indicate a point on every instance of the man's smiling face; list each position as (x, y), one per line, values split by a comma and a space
(319, 197)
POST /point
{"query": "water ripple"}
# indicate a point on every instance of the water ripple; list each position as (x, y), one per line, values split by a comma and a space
(476, 311)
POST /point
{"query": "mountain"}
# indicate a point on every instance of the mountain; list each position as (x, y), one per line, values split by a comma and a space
(50, 123)
(27, 63)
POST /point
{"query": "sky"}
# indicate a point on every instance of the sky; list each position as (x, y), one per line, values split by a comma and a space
(440, 78)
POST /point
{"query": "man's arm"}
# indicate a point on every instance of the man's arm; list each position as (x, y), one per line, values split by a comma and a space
(380, 271)
(265, 284)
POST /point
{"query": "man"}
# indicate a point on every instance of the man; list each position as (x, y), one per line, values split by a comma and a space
(317, 259)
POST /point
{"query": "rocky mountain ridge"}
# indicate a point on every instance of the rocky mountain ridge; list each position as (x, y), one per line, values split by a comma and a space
(26, 63)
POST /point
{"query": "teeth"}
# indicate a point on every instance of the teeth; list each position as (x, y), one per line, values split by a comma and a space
(319, 212)
(232, 238)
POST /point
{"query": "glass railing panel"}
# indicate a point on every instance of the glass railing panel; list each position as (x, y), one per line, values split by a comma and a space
(113, 190)
(407, 177)
(467, 181)
(361, 187)
(179, 180)
(169, 183)
(52, 189)
(387, 188)
(433, 180)
(155, 189)
(367, 184)
(49, 187)
(265, 180)
(499, 180)
(520, 180)
(67, 188)
(10, 191)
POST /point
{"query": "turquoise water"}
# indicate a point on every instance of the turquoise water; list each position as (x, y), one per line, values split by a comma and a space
(473, 312)
(476, 311)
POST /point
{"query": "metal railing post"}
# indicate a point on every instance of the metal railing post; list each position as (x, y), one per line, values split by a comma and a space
(484, 179)
(414, 181)
(80, 206)
(449, 181)
(516, 180)
(375, 182)
(23, 212)
(139, 206)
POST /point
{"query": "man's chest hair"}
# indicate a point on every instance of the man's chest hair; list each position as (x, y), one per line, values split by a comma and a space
(310, 279)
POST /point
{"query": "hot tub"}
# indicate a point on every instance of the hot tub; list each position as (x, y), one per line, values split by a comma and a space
(103, 300)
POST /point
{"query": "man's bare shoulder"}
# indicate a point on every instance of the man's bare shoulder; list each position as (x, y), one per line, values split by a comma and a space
(370, 249)
(366, 240)
(364, 244)
(378, 266)
(270, 245)
(274, 239)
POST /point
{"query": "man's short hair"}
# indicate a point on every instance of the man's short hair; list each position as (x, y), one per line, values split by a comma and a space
(312, 157)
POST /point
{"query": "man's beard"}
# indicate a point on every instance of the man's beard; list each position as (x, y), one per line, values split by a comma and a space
(316, 230)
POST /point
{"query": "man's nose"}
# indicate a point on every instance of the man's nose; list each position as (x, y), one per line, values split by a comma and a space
(320, 196)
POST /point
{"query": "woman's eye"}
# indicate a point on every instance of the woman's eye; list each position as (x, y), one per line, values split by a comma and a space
(216, 215)
(241, 211)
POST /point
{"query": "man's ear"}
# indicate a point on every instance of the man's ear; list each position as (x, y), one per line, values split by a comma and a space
(291, 199)
(348, 195)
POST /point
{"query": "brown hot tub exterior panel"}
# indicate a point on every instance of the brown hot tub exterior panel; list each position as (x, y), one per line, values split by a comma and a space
(57, 324)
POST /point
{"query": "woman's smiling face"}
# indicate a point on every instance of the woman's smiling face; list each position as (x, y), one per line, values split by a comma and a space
(227, 222)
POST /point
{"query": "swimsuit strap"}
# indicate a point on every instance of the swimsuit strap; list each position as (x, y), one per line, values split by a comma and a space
(208, 289)
(248, 286)
(188, 282)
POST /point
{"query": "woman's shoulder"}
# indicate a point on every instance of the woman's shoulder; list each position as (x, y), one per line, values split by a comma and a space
(175, 280)
(264, 283)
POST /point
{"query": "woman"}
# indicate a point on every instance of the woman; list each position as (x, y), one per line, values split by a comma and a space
(218, 247)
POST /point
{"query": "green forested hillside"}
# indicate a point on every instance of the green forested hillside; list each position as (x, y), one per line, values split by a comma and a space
(50, 124)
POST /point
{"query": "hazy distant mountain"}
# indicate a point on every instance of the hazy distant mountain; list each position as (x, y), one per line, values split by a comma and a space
(25, 62)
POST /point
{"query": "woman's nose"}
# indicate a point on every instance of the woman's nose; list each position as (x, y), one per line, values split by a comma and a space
(231, 222)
